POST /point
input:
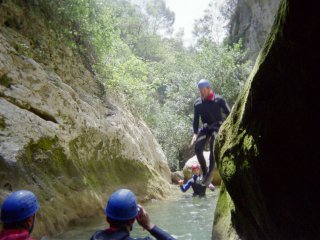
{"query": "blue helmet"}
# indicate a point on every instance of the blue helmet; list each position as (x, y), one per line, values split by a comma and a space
(122, 205)
(18, 206)
(203, 83)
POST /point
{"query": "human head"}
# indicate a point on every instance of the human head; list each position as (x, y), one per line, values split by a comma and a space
(121, 209)
(204, 88)
(195, 169)
(18, 210)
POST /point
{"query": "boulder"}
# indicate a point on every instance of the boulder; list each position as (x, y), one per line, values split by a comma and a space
(187, 172)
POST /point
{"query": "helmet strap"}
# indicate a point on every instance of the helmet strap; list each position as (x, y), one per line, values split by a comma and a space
(29, 226)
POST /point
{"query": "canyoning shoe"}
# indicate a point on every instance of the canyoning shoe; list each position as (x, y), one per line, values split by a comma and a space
(207, 179)
(211, 187)
(204, 178)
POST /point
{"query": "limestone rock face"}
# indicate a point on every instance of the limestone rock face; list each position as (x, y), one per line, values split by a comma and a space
(176, 176)
(268, 148)
(61, 135)
(187, 172)
(252, 21)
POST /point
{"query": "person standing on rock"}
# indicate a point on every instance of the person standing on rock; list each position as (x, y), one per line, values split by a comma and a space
(121, 211)
(196, 183)
(212, 109)
(18, 215)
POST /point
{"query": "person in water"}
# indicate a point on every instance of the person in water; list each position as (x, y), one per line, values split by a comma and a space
(18, 215)
(196, 183)
(121, 212)
(213, 110)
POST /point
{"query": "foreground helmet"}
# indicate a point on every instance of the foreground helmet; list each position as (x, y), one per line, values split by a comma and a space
(122, 205)
(195, 166)
(203, 83)
(19, 206)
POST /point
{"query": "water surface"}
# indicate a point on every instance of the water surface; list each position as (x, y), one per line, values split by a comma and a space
(183, 216)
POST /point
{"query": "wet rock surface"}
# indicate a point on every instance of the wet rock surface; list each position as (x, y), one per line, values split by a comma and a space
(61, 134)
(267, 150)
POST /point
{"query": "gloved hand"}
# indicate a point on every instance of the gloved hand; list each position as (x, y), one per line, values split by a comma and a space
(180, 182)
(143, 219)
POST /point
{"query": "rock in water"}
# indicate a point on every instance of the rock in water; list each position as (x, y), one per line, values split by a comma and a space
(268, 148)
(187, 172)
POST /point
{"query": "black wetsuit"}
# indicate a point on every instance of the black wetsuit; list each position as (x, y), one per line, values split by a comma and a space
(213, 113)
(195, 183)
(156, 232)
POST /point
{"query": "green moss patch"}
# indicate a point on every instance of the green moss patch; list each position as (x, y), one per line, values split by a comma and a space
(5, 81)
(2, 123)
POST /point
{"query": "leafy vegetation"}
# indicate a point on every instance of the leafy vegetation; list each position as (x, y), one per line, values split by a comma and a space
(131, 47)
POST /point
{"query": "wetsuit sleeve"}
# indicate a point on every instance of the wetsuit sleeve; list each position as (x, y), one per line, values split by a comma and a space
(185, 187)
(195, 120)
(159, 234)
(225, 107)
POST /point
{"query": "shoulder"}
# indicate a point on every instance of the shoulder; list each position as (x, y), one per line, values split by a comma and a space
(97, 235)
(191, 180)
(219, 99)
(145, 238)
(103, 234)
(198, 101)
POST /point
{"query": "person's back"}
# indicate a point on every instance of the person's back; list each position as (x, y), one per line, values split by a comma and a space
(15, 234)
(121, 211)
(120, 235)
(18, 215)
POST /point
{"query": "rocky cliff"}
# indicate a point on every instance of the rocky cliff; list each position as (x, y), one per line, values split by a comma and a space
(268, 149)
(61, 135)
(251, 22)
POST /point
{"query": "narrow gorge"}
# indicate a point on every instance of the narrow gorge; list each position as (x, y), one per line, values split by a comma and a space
(61, 134)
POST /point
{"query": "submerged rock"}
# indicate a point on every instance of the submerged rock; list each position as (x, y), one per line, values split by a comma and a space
(267, 150)
(61, 135)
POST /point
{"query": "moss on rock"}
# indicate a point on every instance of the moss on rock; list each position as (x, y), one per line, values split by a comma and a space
(5, 81)
(66, 181)
(271, 137)
(61, 136)
(2, 123)
(223, 214)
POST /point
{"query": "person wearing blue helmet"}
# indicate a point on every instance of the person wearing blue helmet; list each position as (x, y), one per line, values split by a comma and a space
(213, 110)
(121, 212)
(18, 215)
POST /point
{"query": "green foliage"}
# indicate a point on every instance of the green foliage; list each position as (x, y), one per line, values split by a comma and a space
(160, 17)
(86, 24)
(121, 42)
(225, 66)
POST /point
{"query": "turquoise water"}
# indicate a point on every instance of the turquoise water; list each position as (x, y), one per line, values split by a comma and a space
(183, 216)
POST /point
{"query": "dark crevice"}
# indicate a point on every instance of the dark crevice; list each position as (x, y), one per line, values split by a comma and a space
(44, 115)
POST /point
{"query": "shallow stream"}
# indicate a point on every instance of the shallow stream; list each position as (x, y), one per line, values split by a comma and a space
(183, 216)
